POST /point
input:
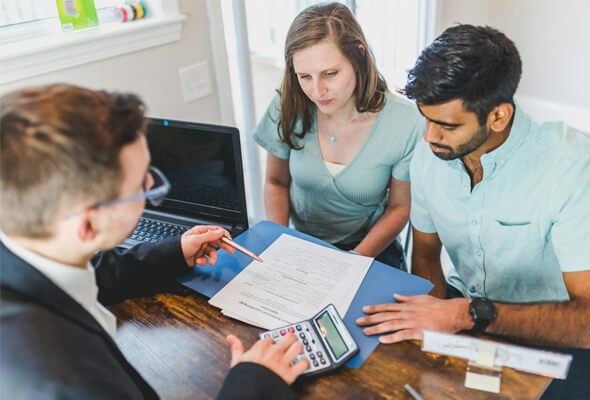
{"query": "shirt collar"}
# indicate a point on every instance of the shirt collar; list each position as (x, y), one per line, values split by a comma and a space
(518, 132)
(79, 283)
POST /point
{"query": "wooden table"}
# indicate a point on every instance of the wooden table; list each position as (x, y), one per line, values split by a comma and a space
(177, 343)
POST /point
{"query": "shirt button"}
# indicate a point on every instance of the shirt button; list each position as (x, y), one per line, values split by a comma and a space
(474, 221)
(478, 286)
(478, 253)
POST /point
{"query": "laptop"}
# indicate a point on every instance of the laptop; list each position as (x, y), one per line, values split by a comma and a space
(203, 163)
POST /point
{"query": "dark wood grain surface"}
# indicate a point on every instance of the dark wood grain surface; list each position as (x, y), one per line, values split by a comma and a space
(177, 343)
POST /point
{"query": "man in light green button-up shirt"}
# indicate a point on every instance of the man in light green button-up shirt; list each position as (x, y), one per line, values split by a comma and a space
(508, 197)
(515, 233)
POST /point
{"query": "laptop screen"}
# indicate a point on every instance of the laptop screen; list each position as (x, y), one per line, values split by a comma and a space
(204, 165)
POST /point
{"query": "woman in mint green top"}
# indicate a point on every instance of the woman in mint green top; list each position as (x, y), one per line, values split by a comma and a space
(339, 144)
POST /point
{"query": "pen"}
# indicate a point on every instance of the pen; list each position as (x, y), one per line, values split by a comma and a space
(239, 248)
(415, 395)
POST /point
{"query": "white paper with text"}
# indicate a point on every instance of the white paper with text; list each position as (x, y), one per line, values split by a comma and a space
(297, 279)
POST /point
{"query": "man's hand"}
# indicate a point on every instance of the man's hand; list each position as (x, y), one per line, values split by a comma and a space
(406, 319)
(199, 244)
(275, 356)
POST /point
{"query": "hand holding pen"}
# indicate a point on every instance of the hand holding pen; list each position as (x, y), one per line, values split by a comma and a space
(200, 244)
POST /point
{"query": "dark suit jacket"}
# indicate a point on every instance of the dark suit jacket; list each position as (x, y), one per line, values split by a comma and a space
(52, 348)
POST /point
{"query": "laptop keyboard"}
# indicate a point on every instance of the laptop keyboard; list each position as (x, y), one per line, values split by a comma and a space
(150, 231)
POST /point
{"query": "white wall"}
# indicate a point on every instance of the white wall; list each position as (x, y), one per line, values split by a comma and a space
(151, 73)
(553, 38)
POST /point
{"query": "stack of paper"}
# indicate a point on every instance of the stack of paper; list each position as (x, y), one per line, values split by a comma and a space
(296, 280)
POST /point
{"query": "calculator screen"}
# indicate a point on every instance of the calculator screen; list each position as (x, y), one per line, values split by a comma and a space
(330, 333)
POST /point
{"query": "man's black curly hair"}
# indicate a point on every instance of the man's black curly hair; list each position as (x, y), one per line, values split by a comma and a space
(477, 64)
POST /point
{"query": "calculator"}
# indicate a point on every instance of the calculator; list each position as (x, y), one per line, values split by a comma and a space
(327, 343)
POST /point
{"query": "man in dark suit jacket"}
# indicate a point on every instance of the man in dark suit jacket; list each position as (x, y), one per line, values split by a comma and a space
(73, 181)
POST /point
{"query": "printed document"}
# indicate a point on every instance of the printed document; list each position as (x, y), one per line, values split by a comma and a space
(296, 280)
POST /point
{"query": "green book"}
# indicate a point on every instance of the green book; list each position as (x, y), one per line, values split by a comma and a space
(77, 14)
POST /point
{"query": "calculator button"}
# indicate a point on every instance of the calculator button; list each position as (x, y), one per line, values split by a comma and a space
(266, 335)
(322, 361)
(312, 356)
(305, 343)
(302, 335)
(291, 329)
(307, 348)
(298, 327)
(283, 332)
(275, 334)
(319, 353)
(315, 363)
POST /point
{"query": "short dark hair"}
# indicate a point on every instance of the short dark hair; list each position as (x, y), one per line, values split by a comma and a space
(477, 64)
(60, 144)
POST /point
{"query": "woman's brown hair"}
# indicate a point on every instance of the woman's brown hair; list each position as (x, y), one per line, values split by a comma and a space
(333, 21)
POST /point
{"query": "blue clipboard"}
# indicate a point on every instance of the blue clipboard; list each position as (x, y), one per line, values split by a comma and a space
(378, 286)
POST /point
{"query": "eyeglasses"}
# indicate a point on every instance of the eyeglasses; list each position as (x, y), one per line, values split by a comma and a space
(160, 186)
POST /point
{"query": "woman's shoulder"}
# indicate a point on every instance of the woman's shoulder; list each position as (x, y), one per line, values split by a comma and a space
(400, 113)
(274, 108)
(396, 103)
(270, 119)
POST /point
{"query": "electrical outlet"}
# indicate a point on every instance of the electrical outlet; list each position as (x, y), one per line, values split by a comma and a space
(194, 81)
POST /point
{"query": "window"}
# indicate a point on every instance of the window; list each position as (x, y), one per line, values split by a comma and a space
(392, 30)
(25, 11)
(22, 11)
(32, 43)
(27, 19)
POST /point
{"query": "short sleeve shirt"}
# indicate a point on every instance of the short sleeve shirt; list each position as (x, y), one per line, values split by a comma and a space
(342, 208)
(512, 236)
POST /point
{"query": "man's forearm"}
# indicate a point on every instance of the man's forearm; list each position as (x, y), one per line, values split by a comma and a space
(561, 324)
(431, 269)
(139, 271)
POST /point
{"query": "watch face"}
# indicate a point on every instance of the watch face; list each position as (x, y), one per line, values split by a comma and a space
(483, 308)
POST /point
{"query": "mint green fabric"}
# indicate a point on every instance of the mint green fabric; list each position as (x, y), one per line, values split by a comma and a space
(342, 208)
(523, 225)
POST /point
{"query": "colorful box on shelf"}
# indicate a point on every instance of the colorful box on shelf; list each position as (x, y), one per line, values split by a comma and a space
(77, 14)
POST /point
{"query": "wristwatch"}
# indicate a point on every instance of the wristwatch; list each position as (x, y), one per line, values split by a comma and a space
(483, 312)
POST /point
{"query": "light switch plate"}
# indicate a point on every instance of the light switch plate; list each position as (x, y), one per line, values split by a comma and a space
(194, 81)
